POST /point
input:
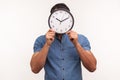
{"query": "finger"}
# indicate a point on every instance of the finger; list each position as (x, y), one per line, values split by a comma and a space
(68, 32)
(71, 39)
(51, 30)
(52, 34)
(51, 38)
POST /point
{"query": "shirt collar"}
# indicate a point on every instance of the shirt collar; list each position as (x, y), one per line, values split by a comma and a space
(63, 37)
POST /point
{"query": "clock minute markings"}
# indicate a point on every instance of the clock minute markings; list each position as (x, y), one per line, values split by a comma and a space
(56, 29)
(65, 29)
(53, 26)
(56, 13)
(65, 12)
(69, 26)
(61, 11)
(53, 16)
(61, 30)
(51, 21)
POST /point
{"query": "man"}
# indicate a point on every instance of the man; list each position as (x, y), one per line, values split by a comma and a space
(61, 54)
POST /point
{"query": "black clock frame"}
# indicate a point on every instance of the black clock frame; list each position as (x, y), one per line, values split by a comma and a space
(65, 11)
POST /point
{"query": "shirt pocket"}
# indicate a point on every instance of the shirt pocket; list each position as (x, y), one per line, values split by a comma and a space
(71, 53)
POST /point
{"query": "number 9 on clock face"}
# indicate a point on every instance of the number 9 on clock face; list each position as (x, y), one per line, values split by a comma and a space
(61, 21)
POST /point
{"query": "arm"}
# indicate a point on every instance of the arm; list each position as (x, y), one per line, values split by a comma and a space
(87, 58)
(39, 58)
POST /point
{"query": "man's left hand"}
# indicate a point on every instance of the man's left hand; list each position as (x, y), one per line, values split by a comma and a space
(73, 36)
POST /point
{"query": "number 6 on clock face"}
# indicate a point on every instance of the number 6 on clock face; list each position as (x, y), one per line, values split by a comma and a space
(61, 21)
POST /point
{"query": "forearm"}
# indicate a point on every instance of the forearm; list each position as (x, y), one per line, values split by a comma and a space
(39, 58)
(87, 58)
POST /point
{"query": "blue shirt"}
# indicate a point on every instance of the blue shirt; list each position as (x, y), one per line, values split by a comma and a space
(63, 61)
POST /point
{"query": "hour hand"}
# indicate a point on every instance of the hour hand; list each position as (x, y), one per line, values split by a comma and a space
(58, 19)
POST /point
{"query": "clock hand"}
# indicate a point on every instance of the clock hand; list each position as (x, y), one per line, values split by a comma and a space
(65, 19)
(58, 19)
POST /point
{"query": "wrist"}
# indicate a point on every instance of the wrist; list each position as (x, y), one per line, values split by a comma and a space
(47, 45)
(77, 44)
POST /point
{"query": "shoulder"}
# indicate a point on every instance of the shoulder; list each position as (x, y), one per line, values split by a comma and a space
(40, 38)
(39, 42)
(84, 42)
(82, 37)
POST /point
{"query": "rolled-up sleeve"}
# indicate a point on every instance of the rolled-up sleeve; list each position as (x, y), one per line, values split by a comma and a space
(38, 44)
(85, 42)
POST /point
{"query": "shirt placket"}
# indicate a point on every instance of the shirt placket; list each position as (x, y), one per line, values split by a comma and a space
(62, 60)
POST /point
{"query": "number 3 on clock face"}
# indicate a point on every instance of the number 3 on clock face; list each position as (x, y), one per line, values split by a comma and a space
(61, 21)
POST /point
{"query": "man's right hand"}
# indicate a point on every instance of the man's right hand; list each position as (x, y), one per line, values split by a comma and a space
(39, 58)
(50, 37)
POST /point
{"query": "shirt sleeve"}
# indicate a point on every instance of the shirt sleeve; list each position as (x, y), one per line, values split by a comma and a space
(38, 44)
(85, 43)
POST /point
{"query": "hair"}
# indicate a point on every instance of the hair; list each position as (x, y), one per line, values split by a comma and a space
(59, 6)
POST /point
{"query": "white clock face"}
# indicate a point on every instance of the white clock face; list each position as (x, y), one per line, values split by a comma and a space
(61, 21)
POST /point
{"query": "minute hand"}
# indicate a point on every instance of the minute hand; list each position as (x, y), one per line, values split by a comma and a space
(64, 19)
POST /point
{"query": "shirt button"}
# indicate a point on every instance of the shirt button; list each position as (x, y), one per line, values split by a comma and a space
(63, 68)
(62, 49)
(62, 58)
(63, 79)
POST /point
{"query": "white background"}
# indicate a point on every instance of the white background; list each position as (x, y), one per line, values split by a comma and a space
(22, 21)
